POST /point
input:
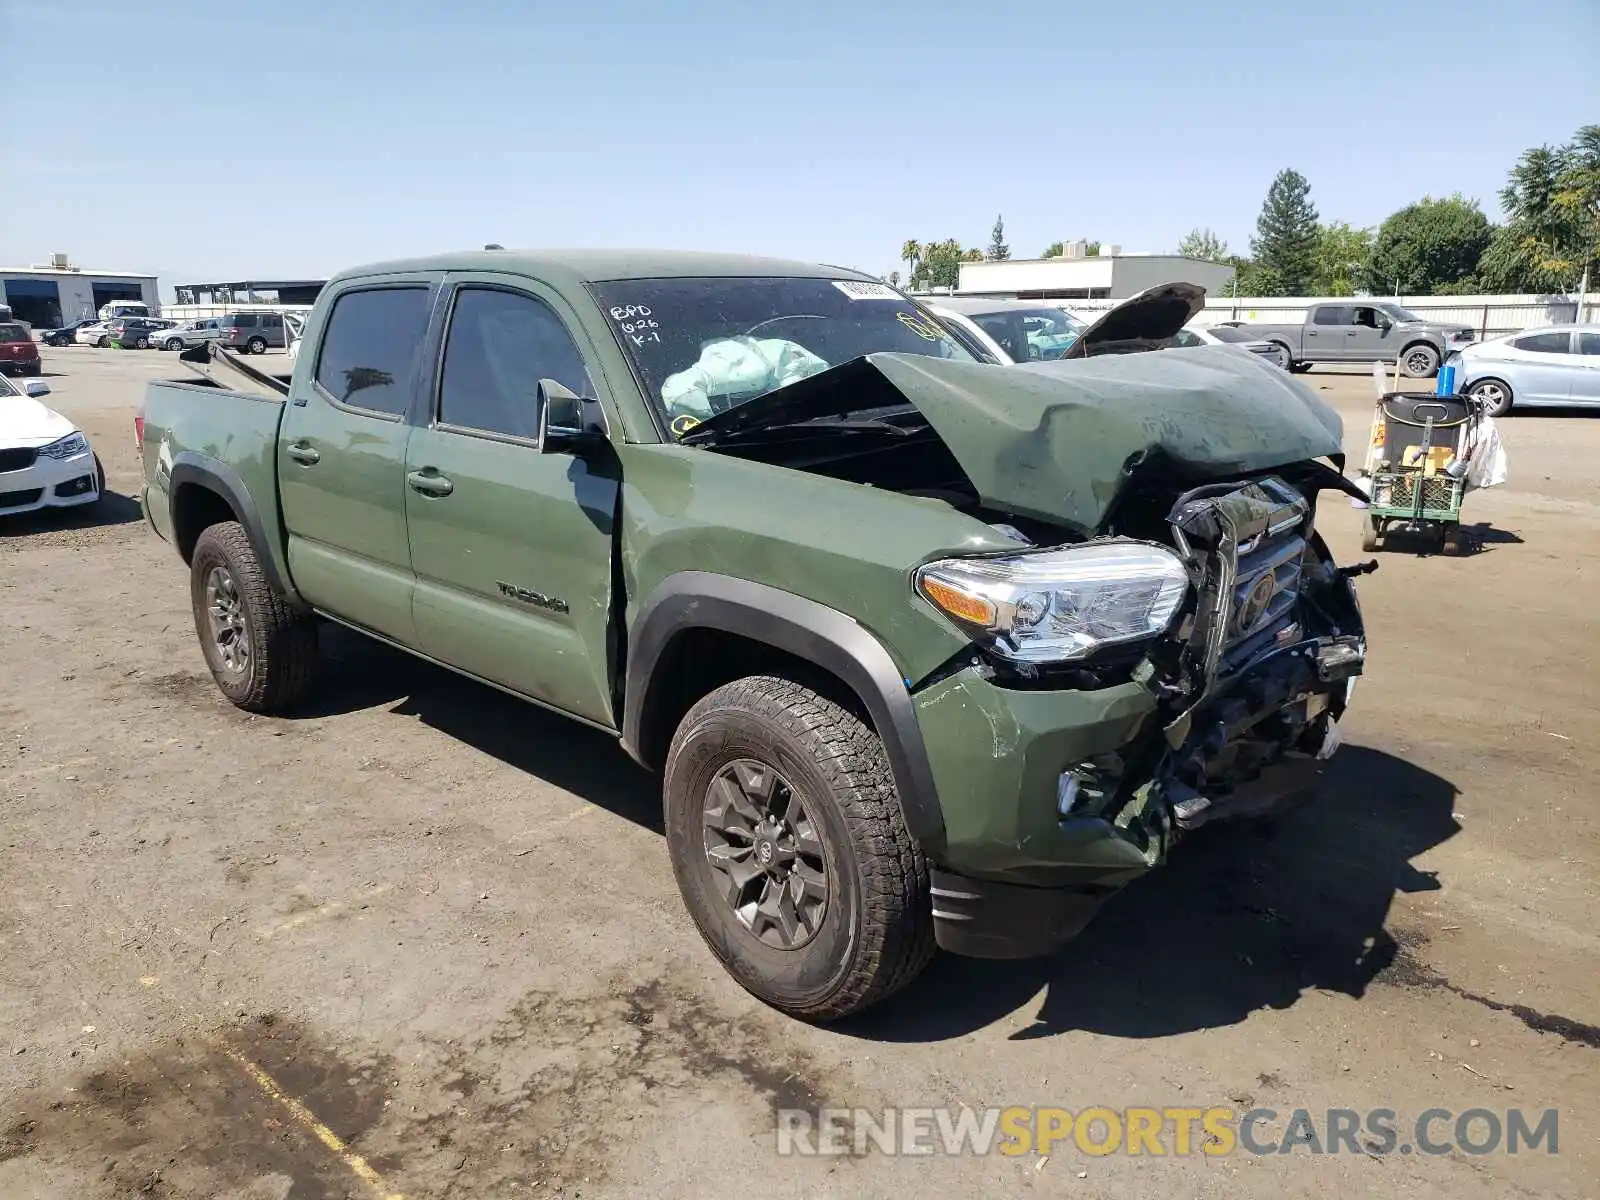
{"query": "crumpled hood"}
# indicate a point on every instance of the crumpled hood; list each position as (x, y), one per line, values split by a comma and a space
(1053, 439)
(26, 422)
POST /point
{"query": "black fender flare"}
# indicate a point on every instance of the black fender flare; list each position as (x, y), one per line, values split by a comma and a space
(808, 630)
(191, 467)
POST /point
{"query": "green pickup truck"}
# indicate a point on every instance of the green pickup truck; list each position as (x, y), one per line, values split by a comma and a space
(928, 651)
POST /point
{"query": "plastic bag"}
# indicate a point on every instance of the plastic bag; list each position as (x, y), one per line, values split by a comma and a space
(736, 366)
(1486, 456)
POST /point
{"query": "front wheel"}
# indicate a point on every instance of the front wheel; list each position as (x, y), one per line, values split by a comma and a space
(1494, 395)
(174, 343)
(102, 342)
(260, 651)
(1420, 361)
(791, 852)
(143, 343)
(1282, 356)
(257, 345)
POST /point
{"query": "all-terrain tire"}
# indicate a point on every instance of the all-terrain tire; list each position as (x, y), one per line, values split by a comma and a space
(280, 643)
(876, 932)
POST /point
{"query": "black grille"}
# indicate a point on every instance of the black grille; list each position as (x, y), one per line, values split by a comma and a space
(16, 499)
(19, 459)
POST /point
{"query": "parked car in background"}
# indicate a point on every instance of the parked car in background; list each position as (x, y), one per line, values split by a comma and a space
(1363, 331)
(1555, 364)
(92, 334)
(65, 335)
(189, 334)
(1227, 336)
(252, 332)
(1018, 330)
(136, 333)
(19, 353)
(45, 461)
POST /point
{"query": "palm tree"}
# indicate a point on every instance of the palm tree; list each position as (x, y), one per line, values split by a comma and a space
(911, 255)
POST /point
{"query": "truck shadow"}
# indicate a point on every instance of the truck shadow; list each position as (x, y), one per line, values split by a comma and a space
(362, 673)
(1241, 918)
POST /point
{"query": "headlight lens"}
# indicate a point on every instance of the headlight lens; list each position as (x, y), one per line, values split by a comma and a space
(1060, 605)
(67, 447)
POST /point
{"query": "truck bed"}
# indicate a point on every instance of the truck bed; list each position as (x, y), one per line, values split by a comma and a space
(224, 424)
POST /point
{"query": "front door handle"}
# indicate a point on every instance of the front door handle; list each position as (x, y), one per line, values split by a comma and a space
(429, 482)
(304, 453)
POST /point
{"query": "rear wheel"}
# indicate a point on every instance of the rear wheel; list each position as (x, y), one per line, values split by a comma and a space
(1369, 533)
(791, 852)
(1493, 394)
(1420, 361)
(260, 651)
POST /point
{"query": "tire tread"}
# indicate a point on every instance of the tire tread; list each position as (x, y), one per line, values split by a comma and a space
(896, 932)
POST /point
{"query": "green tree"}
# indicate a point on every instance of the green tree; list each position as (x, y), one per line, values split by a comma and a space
(998, 250)
(940, 264)
(1428, 245)
(1552, 234)
(1054, 250)
(1203, 244)
(1287, 234)
(1342, 256)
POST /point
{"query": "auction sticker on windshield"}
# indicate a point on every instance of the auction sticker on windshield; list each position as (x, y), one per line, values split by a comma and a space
(860, 289)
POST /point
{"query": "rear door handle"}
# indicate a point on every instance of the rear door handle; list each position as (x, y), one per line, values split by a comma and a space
(305, 454)
(429, 482)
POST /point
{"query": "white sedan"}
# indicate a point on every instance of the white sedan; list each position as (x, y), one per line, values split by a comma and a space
(45, 461)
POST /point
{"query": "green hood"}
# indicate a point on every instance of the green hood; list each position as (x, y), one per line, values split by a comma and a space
(1053, 440)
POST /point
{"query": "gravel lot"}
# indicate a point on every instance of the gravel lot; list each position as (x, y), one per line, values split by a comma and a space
(424, 940)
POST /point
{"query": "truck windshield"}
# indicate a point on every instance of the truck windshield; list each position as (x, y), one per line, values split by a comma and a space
(702, 345)
(1398, 313)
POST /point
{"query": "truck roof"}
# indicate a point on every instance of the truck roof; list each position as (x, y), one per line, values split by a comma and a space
(577, 266)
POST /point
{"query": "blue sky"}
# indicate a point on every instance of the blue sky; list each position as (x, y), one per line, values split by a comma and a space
(287, 138)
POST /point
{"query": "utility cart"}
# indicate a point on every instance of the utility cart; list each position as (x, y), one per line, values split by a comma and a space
(1417, 462)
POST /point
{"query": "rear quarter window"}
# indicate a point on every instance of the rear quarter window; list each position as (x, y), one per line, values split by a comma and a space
(371, 346)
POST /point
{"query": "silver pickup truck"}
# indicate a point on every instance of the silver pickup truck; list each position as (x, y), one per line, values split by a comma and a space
(1363, 331)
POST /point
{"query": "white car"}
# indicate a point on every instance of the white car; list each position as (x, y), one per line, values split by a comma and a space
(45, 461)
(92, 335)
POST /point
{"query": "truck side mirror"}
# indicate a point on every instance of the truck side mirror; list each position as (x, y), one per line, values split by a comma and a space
(567, 422)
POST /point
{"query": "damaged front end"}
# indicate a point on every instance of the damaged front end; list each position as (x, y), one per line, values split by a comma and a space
(1259, 673)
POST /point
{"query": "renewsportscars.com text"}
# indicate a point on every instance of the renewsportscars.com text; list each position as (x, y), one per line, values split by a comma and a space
(1174, 1131)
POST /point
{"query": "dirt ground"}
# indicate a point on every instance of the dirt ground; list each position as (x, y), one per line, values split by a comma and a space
(423, 940)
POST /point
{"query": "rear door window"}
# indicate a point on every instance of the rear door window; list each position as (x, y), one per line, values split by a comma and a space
(369, 350)
(1331, 314)
(1589, 343)
(1545, 343)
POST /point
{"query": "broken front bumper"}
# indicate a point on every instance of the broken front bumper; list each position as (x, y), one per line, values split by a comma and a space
(1053, 801)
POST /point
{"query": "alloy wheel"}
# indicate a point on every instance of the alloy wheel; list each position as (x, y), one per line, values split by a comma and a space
(767, 853)
(230, 629)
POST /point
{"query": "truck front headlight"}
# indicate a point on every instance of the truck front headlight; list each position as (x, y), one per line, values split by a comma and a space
(1059, 605)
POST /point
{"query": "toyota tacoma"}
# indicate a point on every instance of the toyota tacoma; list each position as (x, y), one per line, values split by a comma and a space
(928, 651)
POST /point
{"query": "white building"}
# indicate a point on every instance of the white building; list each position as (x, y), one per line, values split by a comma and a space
(58, 293)
(1108, 275)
